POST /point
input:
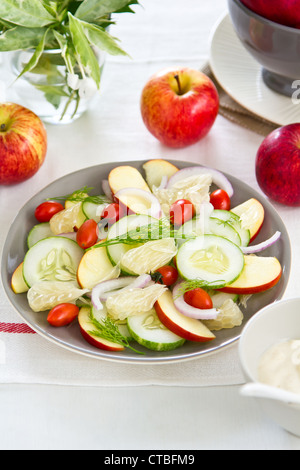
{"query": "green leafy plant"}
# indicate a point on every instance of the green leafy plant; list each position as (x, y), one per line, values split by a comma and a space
(77, 28)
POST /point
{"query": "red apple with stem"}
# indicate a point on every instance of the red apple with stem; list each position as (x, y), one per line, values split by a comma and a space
(284, 12)
(179, 106)
(23, 143)
(278, 165)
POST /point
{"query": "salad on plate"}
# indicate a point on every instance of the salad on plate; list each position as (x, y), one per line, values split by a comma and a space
(158, 259)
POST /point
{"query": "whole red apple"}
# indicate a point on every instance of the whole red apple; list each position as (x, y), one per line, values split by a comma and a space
(285, 12)
(179, 106)
(23, 143)
(278, 165)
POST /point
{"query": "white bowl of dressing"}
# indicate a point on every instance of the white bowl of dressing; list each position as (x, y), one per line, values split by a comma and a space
(269, 351)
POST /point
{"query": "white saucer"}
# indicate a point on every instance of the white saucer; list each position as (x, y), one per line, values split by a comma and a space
(241, 77)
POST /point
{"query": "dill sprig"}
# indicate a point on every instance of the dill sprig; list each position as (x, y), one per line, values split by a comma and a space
(192, 284)
(156, 230)
(82, 195)
(107, 329)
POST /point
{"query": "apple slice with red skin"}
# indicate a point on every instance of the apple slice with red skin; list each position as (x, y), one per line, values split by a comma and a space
(94, 267)
(158, 169)
(139, 201)
(86, 327)
(125, 176)
(132, 193)
(18, 284)
(185, 327)
(252, 215)
(259, 274)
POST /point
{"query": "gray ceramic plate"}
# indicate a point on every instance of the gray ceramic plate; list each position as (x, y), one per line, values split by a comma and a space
(70, 337)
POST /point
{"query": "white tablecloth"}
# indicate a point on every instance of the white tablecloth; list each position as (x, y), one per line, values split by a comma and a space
(160, 34)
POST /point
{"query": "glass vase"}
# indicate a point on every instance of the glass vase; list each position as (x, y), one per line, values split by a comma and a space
(49, 91)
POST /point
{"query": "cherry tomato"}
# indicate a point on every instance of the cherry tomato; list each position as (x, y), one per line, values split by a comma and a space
(168, 275)
(87, 234)
(45, 211)
(220, 200)
(198, 298)
(112, 213)
(181, 211)
(63, 315)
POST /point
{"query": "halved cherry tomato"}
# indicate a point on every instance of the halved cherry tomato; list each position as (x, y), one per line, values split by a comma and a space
(87, 234)
(63, 315)
(181, 211)
(168, 275)
(45, 211)
(198, 298)
(220, 200)
(112, 213)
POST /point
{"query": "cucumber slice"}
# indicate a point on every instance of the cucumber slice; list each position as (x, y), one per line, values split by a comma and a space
(224, 229)
(92, 210)
(52, 259)
(210, 258)
(148, 331)
(219, 298)
(39, 232)
(131, 222)
(235, 222)
(225, 215)
(216, 227)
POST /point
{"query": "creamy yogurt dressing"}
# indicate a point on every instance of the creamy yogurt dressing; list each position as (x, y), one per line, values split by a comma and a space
(280, 366)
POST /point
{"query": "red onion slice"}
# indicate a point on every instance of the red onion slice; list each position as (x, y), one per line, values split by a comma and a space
(261, 246)
(104, 289)
(107, 286)
(149, 198)
(219, 179)
(144, 280)
(163, 183)
(192, 312)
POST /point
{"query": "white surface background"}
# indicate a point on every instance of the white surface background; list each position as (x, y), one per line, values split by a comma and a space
(114, 416)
